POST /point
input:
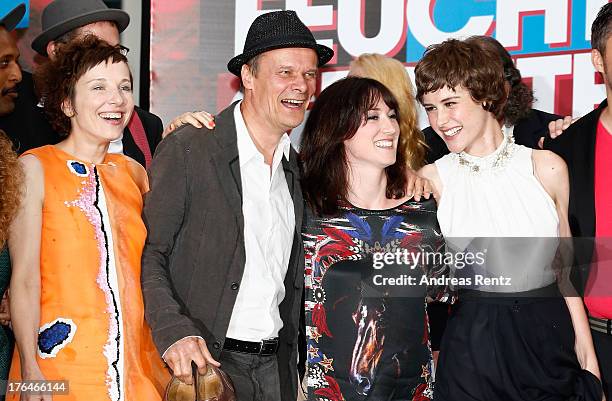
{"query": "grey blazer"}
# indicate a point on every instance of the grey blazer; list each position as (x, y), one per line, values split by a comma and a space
(194, 256)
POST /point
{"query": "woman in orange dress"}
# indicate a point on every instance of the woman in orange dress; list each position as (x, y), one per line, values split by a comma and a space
(77, 240)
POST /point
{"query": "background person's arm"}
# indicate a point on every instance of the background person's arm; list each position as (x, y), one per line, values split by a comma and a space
(434, 183)
(196, 118)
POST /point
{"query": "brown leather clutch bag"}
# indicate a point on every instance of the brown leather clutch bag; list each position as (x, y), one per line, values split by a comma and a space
(214, 385)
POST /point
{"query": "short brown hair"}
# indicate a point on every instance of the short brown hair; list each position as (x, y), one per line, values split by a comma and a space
(520, 99)
(335, 117)
(57, 78)
(455, 63)
(254, 64)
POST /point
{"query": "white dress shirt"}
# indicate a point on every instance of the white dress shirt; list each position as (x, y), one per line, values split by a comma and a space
(269, 227)
(116, 146)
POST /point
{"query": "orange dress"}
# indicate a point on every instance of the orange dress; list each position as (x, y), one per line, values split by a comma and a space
(92, 328)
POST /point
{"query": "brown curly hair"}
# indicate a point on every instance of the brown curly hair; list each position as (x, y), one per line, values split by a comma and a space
(57, 78)
(520, 100)
(11, 179)
(454, 63)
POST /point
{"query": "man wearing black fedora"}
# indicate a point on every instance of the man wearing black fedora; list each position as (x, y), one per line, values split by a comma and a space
(222, 268)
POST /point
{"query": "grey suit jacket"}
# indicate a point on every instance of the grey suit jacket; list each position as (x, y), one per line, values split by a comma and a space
(194, 256)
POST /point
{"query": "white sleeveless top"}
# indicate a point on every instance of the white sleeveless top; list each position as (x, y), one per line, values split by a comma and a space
(499, 196)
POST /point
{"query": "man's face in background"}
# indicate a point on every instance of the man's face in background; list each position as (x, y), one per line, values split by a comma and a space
(10, 72)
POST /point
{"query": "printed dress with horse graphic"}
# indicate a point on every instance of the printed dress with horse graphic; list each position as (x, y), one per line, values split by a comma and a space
(368, 275)
(92, 330)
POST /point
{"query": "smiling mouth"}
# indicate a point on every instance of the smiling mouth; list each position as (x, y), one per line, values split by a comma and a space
(293, 103)
(384, 144)
(111, 116)
(452, 132)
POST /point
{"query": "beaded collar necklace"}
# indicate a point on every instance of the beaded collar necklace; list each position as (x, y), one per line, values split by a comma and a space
(493, 161)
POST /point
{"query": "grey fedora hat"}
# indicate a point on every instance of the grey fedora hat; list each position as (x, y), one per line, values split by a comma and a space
(62, 16)
(10, 20)
(277, 30)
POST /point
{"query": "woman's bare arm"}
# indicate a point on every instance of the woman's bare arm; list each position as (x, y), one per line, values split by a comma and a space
(24, 246)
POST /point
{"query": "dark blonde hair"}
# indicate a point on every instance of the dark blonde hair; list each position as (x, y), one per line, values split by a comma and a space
(57, 78)
(11, 179)
(455, 63)
(392, 73)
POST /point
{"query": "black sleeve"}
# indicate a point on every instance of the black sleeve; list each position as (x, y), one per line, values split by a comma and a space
(436, 148)
(153, 127)
(562, 144)
(530, 129)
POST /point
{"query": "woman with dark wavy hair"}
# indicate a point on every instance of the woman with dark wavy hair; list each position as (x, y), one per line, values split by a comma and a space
(392, 73)
(365, 337)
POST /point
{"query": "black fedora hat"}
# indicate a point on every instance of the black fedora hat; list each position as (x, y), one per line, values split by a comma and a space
(62, 16)
(10, 20)
(277, 30)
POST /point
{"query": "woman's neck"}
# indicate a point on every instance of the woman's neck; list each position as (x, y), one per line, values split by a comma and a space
(488, 142)
(84, 148)
(367, 187)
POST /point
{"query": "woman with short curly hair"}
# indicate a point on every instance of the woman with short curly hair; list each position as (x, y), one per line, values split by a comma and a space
(77, 240)
(524, 336)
